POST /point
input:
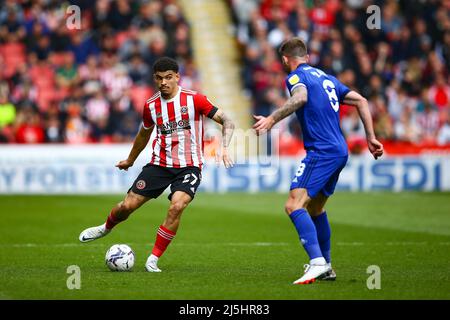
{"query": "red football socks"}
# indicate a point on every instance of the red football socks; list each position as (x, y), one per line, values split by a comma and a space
(112, 221)
(163, 238)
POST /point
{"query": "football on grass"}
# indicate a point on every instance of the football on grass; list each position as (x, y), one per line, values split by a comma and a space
(120, 257)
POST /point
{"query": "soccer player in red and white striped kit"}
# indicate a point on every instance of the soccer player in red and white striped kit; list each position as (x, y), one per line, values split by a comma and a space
(177, 156)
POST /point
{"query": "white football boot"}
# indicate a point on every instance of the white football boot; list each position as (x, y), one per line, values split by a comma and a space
(151, 264)
(330, 275)
(94, 233)
(313, 272)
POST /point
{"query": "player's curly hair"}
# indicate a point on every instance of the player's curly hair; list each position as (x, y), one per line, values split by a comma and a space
(165, 64)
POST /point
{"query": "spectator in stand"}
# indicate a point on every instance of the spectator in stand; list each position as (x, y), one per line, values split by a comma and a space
(352, 126)
(89, 71)
(138, 71)
(67, 74)
(383, 124)
(7, 115)
(29, 129)
(157, 48)
(120, 15)
(439, 93)
(53, 125)
(132, 46)
(82, 45)
(406, 129)
(97, 112)
(118, 83)
(12, 21)
(190, 78)
(428, 122)
(77, 129)
(444, 132)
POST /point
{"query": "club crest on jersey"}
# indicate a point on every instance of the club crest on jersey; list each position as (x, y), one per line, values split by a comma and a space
(140, 184)
(184, 110)
(158, 115)
(294, 79)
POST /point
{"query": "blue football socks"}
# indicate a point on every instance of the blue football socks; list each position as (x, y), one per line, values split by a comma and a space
(323, 235)
(307, 232)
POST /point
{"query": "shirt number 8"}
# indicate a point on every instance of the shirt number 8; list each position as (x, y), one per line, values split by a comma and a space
(300, 170)
(330, 89)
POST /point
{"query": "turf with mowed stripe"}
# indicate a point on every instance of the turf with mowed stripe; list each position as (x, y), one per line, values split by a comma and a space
(230, 246)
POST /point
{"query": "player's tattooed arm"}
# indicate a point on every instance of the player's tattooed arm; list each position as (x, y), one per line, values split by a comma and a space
(139, 144)
(227, 132)
(297, 100)
(355, 99)
(227, 126)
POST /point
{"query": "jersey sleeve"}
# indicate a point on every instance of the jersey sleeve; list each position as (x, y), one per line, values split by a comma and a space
(293, 81)
(147, 121)
(204, 106)
(341, 89)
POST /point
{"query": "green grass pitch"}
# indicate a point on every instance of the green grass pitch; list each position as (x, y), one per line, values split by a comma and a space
(229, 246)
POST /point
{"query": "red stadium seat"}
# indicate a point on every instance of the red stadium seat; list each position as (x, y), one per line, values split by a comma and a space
(45, 97)
(13, 54)
(121, 37)
(57, 59)
(140, 94)
(43, 77)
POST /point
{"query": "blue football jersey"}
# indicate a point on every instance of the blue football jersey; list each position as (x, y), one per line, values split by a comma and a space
(319, 117)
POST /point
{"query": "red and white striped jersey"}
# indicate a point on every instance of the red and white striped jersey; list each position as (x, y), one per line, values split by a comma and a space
(179, 128)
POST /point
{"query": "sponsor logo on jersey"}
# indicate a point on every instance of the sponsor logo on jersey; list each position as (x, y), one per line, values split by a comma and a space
(294, 79)
(172, 126)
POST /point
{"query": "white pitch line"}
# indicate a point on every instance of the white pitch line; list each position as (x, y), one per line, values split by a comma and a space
(230, 244)
(42, 245)
(393, 243)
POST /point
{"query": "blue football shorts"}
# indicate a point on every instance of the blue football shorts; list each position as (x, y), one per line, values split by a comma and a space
(318, 174)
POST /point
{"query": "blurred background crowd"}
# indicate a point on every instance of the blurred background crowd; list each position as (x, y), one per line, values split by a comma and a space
(401, 68)
(75, 86)
(88, 85)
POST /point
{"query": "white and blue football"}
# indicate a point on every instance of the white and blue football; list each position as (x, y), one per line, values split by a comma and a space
(120, 257)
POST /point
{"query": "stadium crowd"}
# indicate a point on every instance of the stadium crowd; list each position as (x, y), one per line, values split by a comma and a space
(63, 85)
(402, 68)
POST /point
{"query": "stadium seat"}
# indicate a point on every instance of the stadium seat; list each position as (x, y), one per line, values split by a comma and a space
(140, 94)
(13, 55)
(45, 97)
(57, 59)
(121, 37)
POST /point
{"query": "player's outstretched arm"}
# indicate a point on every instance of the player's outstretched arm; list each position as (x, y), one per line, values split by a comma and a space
(227, 132)
(355, 99)
(297, 100)
(139, 144)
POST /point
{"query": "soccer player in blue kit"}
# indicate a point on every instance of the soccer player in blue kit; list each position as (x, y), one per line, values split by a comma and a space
(315, 98)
